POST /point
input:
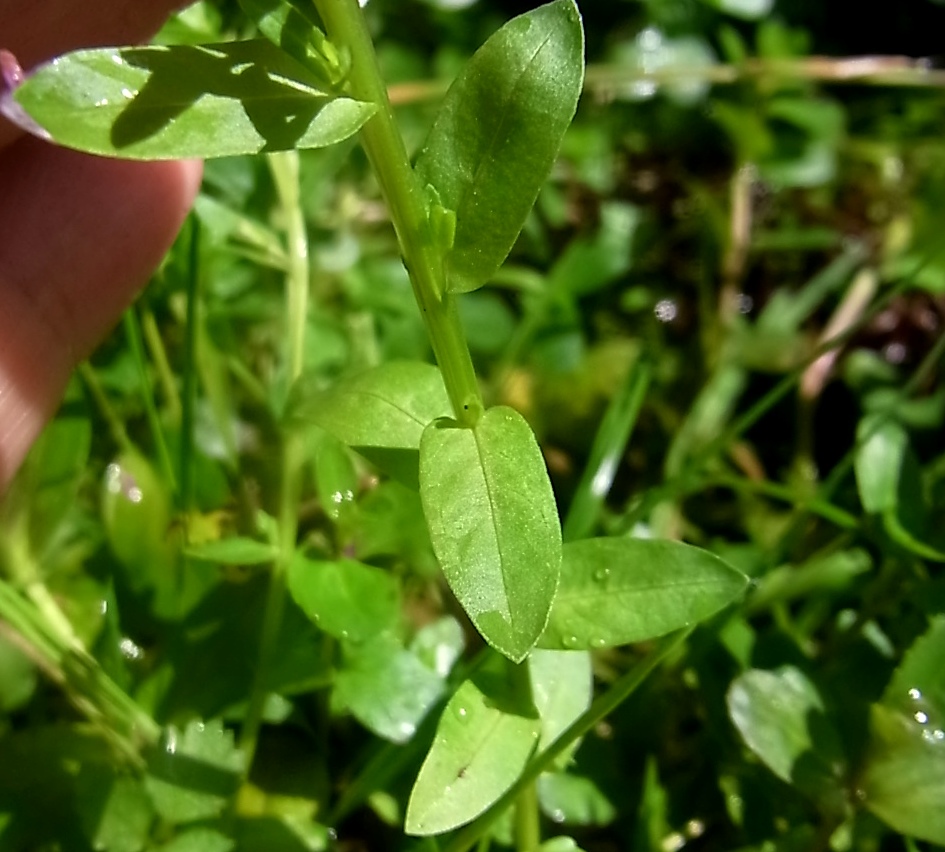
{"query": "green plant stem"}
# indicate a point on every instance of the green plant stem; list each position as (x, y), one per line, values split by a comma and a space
(133, 334)
(527, 824)
(284, 168)
(64, 660)
(610, 442)
(285, 172)
(344, 21)
(189, 383)
(602, 707)
(115, 425)
(162, 366)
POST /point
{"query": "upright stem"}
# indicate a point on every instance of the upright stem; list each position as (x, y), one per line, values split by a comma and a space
(344, 21)
(285, 172)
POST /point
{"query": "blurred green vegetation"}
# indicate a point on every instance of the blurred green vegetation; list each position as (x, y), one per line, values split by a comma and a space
(723, 320)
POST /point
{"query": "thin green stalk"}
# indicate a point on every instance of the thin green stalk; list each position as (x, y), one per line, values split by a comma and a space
(602, 707)
(284, 168)
(62, 657)
(608, 448)
(344, 21)
(189, 384)
(114, 422)
(133, 334)
(285, 172)
(158, 352)
(527, 824)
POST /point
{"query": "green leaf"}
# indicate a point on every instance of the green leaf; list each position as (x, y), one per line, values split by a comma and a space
(562, 688)
(58, 461)
(889, 480)
(619, 590)
(380, 413)
(346, 599)
(387, 689)
(493, 523)
(114, 809)
(483, 741)
(198, 840)
(497, 134)
(917, 687)
(903, 781)
(781, 718)
(17, 677)
(881, 449)
(165, 102)
(560, 844)
(237, 550)
(194, 772)
(288, 25)
(574, 799)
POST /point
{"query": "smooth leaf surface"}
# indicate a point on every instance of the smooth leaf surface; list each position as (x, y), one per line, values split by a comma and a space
(780, 716)
(483, 741)
(917, 687)
(346, 599)
(164, 102)
(387, 689)
(903, 781)
(619, 590)
(574, 800)
(562, 687)
(497, 134)
(381, 413)
(494, 525)
(882, 444)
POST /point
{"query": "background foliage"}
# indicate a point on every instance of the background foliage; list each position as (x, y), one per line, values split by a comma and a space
(724, 322)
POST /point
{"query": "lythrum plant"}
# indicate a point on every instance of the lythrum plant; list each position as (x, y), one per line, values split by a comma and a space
(311, 79)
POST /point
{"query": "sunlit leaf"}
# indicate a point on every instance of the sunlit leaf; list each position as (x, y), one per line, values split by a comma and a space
(165, 102)
(497, 134)
(381, 413)
(483, 741)
(562, 688)
(619, 590)
(781, 718)
(346, 599)
(387, 689)
(493, 523)
(574, 800)
(903, 780)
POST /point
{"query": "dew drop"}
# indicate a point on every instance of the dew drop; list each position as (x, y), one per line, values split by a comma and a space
(571, 642)
(920, 717)
(558, 815)
(406, 729)
(461, 712)
(102, 103)
(915, 694)
(130, 650)
(666, 310)
(599, 642)
(171, 745)
(601, 575)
